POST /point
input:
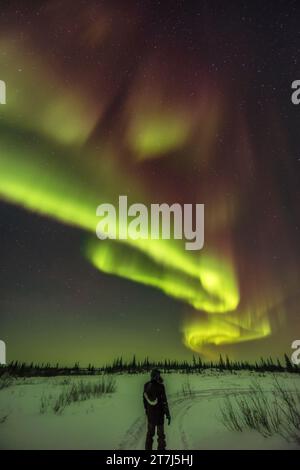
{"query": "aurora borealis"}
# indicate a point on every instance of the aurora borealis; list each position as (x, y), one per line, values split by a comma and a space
(180, 102)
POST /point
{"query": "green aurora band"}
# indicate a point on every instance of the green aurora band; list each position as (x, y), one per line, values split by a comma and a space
(32, 178)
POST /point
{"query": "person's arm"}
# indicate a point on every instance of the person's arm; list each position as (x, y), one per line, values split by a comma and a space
(165, 404)
(144, 400)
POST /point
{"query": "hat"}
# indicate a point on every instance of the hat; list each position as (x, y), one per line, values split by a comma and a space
(155, 375)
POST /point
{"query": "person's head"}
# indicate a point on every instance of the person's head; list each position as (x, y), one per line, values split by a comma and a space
(155, 375)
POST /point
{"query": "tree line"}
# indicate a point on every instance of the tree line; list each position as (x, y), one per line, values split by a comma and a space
(119, 365)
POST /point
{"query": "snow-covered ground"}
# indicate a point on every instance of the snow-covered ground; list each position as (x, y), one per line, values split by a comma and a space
(117, 421)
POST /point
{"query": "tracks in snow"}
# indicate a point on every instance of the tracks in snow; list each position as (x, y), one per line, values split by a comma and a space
(179, 404)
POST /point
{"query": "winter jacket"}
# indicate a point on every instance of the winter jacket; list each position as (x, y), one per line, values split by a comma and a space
(155, 402)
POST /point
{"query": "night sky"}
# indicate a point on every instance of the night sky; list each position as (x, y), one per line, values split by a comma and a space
(171, 101)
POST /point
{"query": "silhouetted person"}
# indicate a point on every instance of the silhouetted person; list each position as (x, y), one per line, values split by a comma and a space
(156, 407)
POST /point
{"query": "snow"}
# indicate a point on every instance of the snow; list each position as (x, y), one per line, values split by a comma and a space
(117, 421)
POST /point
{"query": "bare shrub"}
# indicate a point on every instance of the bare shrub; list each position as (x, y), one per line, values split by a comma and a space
(77, 392)
(269, 413)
